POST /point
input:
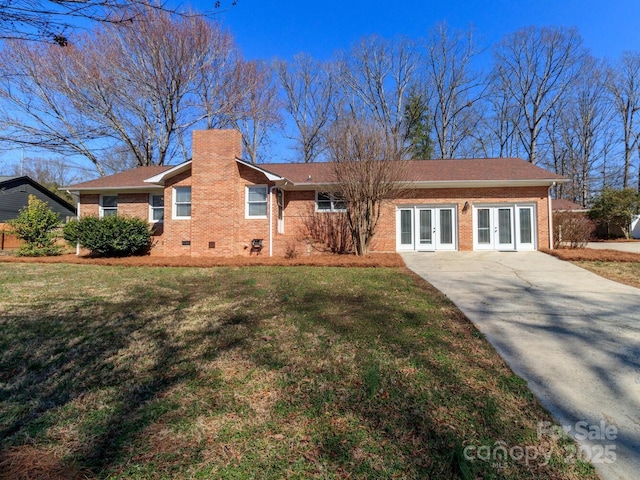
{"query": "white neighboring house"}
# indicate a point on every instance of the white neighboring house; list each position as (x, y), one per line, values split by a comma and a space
(635, 227)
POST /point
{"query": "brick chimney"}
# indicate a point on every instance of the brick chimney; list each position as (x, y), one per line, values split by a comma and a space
(215, 192)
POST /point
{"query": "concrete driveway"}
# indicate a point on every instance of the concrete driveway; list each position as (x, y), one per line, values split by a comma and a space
(574, 336)
(633, 247)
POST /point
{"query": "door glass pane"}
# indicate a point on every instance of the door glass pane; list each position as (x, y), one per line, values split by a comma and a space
(406, 233)
(446, 226)
(525, 225)
(504, 225)
(425, 227)
(484, 226)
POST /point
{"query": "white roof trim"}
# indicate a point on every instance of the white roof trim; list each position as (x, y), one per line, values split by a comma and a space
(140, 189)
(270, 176)
(161, 177)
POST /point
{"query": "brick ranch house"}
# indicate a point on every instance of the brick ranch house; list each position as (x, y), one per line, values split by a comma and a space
(216, 204)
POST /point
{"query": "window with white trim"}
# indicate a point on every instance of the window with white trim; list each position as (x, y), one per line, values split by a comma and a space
(181, 203)
(156, 207)
(330, 202)
(256, 196)
(108, 205)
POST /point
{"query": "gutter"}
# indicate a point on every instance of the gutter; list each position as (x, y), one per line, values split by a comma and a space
(271, 220)
(550, 214)
(139, 189)
(436, 184)
(78, 242)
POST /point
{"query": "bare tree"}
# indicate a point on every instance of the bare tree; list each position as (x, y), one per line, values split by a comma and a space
(51, 173)
(579, 131)
(374, 79)
(308, 88)
(368, 173)
(623, 83)
(455, 87)
(131, 87)
(536, 67)
(259, 108)
(327, 232)
(219, 91)
(51, 21)
(497, 135)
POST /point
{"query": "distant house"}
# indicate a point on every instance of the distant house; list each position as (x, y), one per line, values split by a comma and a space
(220, 205)
(564, 205)
(14, 195)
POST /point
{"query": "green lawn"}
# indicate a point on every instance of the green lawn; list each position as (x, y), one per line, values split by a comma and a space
(622, 272)
(255, 372)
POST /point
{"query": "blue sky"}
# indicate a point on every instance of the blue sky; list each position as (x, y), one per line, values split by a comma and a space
(281, 29)
(268, 30)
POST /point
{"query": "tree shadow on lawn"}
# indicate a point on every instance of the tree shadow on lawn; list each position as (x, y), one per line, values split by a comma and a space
(114, 353)
(419, 388)
(426, 415)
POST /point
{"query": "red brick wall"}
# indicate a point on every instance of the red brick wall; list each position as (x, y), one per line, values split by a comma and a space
(169, 242)
(129, 204)
(89, 205)
(297, 206)
(219, 195)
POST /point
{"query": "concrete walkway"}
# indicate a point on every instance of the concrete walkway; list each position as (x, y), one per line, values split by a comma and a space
(633, 247)
(574, 336)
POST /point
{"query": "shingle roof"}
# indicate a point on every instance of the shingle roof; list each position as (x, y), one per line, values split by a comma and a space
(458, 170)
(128, 179)
(566, 205)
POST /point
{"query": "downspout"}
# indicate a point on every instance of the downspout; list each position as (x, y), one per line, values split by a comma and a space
(271, 220)
(550, 217)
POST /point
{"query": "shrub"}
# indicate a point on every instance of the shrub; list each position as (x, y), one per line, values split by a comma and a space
(35, 226)
(571, 229)
(113, 236)
(290, 251)
(616, 208)
(328, 232)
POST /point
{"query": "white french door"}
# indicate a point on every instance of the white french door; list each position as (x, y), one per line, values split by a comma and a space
(504, 227)
(426, 228)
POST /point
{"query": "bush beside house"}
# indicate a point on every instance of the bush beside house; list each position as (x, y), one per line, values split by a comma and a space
(111, 236)
(35, 225)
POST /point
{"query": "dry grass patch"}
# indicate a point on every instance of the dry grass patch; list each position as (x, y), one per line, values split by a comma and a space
(626, 272)
(269, 372)
(622, 267)
(27, 462)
